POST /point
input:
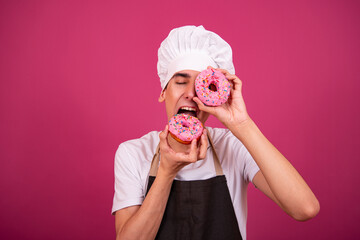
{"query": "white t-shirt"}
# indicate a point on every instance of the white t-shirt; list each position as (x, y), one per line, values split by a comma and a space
(133, 160)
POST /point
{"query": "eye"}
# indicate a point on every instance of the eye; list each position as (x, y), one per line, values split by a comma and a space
(180, 83)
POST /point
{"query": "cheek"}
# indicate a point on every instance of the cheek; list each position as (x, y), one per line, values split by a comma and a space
(173, 97)
(170, 105)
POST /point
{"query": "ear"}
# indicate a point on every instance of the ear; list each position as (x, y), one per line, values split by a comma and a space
(162, 95)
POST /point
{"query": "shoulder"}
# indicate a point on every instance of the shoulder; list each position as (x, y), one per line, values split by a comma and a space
(148, 141)
(139, 148)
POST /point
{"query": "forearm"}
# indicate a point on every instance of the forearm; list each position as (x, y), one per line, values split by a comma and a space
(144, 224)
(145, 221)
(286, 184)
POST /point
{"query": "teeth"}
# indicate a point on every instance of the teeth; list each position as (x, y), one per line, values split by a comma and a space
(188, 109)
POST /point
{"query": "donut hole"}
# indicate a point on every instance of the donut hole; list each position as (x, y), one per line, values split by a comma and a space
(213, 87)
(185, 124)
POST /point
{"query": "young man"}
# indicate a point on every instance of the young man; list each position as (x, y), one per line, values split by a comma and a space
(200, 189)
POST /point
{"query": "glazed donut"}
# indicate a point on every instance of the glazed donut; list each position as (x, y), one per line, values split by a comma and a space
(203, 83)
(184, 128)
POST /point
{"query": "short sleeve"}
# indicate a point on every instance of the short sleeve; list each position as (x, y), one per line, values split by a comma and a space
(250, 167)
(128, 187)
(247, 163)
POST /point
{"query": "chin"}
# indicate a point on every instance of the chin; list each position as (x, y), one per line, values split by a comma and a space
(203, 119)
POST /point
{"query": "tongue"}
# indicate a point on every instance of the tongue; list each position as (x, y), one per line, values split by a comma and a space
(191, 113)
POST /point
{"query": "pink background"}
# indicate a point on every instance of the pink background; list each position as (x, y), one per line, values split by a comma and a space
(68, 74)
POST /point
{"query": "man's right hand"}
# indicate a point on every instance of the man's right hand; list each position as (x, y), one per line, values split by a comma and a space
(148, 216)
(172, 161)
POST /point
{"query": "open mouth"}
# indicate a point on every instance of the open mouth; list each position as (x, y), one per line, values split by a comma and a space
(192, 111)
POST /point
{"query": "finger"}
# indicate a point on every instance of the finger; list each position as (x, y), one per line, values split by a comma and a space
(163, 134)
(164, 145)
(227, 74)
(231, 92)
(202, 106)
(231, 77)
(237, 83)
(193, 151)
(223, 71)
(203, 145)
(191, 155)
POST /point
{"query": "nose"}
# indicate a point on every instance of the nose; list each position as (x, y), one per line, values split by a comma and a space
(190, 91)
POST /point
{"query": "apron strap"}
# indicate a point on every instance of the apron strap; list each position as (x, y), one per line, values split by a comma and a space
(155, 162)
(217, 164)
(156, 159)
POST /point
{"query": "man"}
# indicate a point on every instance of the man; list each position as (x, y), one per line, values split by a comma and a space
(198, 191)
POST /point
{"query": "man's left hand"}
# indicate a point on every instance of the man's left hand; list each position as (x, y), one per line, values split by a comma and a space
(233, 112)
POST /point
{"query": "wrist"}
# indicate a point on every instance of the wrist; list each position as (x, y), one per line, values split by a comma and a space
(164, 174)
(239, 124)
(242, 129)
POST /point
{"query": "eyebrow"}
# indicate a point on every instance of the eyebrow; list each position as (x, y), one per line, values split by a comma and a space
(185, 75)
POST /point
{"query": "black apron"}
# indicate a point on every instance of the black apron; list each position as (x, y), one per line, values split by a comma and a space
(197, 210)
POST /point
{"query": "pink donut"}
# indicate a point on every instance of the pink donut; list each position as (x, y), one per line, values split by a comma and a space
(210, 77)
(184, 128)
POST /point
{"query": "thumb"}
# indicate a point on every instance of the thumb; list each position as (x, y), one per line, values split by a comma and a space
(202, 106)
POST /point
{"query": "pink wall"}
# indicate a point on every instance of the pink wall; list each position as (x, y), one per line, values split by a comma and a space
(67, 70)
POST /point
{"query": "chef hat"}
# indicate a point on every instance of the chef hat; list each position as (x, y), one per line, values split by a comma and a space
(192, 48)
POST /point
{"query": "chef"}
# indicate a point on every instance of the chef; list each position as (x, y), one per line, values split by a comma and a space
(168, 190)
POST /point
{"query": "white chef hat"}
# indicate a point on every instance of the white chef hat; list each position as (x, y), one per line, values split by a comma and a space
(192, 48)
